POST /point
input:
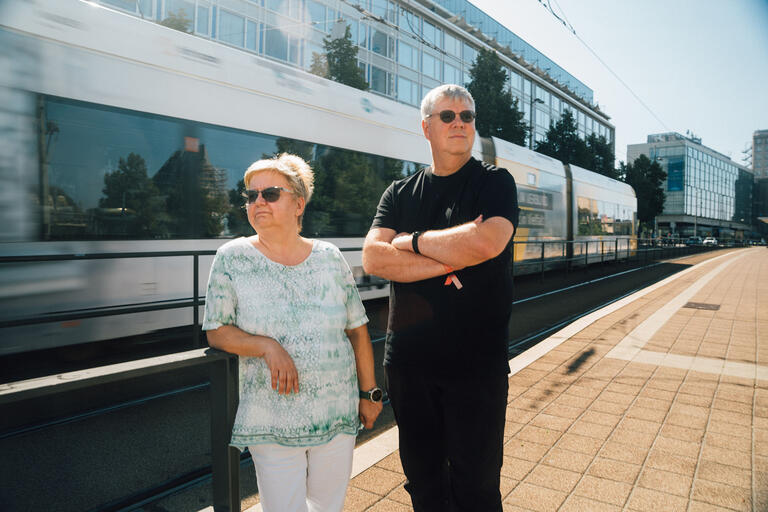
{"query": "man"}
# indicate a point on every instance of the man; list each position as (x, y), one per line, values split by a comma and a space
(441, 236)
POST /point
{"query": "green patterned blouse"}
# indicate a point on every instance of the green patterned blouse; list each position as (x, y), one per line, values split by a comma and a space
(306, 308)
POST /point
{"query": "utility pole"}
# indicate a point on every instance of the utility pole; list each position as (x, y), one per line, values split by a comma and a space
(533, 111)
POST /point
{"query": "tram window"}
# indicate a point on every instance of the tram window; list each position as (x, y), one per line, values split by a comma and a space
(120, 174)
(597, 217)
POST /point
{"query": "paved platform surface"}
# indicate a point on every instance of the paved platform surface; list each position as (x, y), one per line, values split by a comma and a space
(657, 402)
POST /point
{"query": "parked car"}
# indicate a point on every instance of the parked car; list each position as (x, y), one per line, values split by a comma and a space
(710, 240)
(694, 240)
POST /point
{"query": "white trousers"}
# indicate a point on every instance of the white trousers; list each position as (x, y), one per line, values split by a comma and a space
(305, 478)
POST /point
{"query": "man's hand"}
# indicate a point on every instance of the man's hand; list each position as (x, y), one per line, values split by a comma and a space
(403, 242)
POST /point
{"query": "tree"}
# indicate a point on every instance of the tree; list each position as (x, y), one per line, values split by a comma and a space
(497, 112)
(178, 21)
(196, 198)
(563, 142)
(602, 159)
(646, 178)
(319, 65)
(237, 217)
(341, 61)
(130, 192)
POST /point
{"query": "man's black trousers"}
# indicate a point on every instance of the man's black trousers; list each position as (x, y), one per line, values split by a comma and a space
(451, 438)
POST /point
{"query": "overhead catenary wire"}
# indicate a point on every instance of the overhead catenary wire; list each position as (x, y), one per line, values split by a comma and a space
(572, 30)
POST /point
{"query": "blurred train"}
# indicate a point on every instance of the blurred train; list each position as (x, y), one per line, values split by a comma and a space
(121, 135)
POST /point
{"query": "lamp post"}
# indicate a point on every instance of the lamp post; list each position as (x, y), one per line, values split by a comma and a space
(533, 111)
(660, 160)
(696, 212)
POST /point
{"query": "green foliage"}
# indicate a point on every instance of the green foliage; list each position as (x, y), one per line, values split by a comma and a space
(178, 21)
(602, 158)
(131, 205)
(341, 59)
(497, 112)
(196, 200)
(237, 216)
(646, 178)
(563, 142)
(319, 65)
(348, 185)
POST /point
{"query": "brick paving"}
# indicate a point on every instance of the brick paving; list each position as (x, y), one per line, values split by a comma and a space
(604, 422)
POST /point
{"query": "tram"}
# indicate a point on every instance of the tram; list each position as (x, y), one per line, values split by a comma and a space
(125, 136)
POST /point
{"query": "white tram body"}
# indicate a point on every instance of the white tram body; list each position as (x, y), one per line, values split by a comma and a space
(90, 95)
(603, 211)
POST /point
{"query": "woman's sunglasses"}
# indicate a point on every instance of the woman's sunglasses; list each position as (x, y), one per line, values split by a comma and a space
(270, 194)
(447, 116)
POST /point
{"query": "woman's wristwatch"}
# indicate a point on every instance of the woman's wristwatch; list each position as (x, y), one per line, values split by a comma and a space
(374, 394)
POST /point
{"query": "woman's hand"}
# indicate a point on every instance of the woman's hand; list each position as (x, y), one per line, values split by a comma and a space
(285, 377)
(369, 411)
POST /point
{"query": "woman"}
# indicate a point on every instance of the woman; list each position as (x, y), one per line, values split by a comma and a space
(290, 308)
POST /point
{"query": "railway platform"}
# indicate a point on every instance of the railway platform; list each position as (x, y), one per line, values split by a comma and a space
(656, 402)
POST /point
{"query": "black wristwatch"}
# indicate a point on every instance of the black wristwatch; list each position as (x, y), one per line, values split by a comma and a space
(415, 241)
(373, 394)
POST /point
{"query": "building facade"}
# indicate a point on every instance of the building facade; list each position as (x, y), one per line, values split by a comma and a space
(406, 47)
(707, 194)
(760, 209)
(760, 153)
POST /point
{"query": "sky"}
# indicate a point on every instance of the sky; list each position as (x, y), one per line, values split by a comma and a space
(699, 65)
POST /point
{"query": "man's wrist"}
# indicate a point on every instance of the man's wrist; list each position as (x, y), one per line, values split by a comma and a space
(415, 241)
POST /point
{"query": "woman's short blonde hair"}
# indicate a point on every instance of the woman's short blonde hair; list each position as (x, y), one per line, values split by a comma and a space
(300, 177)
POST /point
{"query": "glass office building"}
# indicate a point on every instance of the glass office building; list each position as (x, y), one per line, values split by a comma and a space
(405, 48)
(760, 153)
(707, 194)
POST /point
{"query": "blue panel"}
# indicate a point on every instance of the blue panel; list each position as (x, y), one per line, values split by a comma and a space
(675, 174)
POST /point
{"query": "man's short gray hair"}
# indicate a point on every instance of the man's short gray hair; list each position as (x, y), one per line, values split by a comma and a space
(452, 91)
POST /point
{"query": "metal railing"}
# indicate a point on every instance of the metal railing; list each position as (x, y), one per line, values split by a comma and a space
(539, 256)
(531, 257)
(21, 412)
(194, 302)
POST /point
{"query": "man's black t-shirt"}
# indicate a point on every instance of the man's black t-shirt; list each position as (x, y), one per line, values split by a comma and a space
(439, 328)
